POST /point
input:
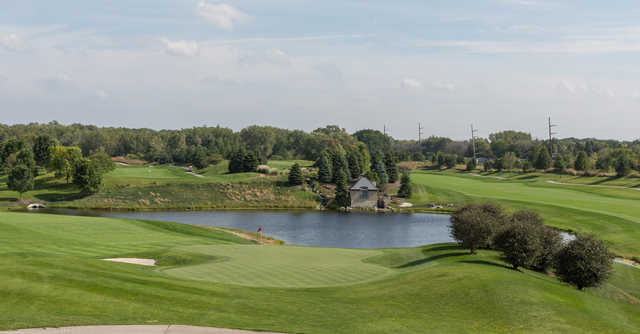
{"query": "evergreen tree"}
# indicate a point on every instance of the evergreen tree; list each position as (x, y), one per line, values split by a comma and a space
(295, 175)
(381, 172)
(324, 169)
(20, 179)
(392, 168)
(544, 159)
(581, 161)
(353, 160)
(339, 163)
(343, 197)
(250, 162)
(405, 186)
(441, 159)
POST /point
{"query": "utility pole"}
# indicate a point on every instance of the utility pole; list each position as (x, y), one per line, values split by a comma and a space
(384, 131)
(420, 128)
(473, 142)
(551, 136)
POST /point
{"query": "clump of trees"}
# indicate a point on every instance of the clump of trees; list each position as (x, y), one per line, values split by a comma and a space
(526, 242)
(243, 162)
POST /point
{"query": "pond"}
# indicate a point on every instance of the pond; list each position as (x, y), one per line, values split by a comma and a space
(322, 229)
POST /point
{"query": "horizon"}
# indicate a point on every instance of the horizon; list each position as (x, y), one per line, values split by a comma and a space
(497, 64)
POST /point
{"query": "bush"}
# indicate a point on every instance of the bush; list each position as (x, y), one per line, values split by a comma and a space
(551, 245)
(474, 226)
(471, 164)
(584, 262)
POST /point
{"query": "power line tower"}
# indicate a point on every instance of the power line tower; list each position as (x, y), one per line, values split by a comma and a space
(473, 142)
(420, 133)
(384, 131)
(551, 133)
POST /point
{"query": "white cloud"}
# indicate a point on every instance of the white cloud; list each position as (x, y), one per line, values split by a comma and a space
(448, 86)
(222, 15)
(181, 48)
(411, 83)
(11, 42)
(103, 95)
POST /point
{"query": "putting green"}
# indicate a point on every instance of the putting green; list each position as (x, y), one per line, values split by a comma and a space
(285, 266)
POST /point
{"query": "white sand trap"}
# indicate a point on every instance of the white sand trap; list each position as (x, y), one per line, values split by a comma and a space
(142, 262)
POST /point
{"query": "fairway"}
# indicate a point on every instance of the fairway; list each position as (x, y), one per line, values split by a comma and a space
(285, 266)
(51, 274)
(612, 214)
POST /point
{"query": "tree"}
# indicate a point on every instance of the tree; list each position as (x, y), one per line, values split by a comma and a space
(405, 186)
(544, 159)
(551, 245)
(324, 169)
(295, 175)
(343, 197)
(86, 176)
(450, 160)
(392, 168)
(20, 179)
(520, 243)
(584, 262)
(581, 162)
(236, 163)
(42, 148)
(63, 160)
(381, 172)
(471, 165)
(623, 165)
(353, 161)
(250, 162)
(25, 157)
(509, 160)
(473, 225)
(103, 163)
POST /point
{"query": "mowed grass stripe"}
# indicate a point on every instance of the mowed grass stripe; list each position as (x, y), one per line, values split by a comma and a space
(287, 266)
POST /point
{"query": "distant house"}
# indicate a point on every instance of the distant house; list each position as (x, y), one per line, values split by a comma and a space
(364, 194)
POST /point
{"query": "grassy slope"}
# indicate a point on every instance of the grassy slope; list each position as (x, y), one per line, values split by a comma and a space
(50, 275)
(166, 187)
(612, 214)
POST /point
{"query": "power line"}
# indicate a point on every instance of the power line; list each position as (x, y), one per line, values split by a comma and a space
(473, 142)
(551, 133)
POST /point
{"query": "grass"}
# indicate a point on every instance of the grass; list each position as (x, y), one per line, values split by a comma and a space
(612, 214)
(170, 187)
(51, 275)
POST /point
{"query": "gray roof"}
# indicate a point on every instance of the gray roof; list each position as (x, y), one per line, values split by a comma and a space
(363, 183)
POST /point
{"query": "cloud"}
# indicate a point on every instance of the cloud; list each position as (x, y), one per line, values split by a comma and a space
(181, 48)
(411, 83)
(222, 15)
(559, 47)
(440, 85)
(270, 56)
(11, 42)
(103, 95)
(59, 82)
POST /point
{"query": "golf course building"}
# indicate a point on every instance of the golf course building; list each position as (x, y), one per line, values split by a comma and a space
(364, 194)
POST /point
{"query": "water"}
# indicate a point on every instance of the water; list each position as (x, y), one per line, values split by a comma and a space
(321, 229)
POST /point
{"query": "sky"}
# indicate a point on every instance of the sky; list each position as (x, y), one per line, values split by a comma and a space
(447, 64)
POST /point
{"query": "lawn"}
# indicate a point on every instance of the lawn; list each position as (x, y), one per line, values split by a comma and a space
(51, 275)
(612, 214)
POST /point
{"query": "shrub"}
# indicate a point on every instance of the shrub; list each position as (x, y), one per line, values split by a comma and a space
(471, 164)
(584, 262)
(474, 226)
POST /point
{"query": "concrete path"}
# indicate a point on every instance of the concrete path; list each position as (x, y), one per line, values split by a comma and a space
(141, 329)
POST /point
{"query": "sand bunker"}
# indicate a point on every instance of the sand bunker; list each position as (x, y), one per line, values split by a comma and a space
(142, 262)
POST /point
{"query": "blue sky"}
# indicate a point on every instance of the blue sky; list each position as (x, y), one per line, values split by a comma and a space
(499, 64)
